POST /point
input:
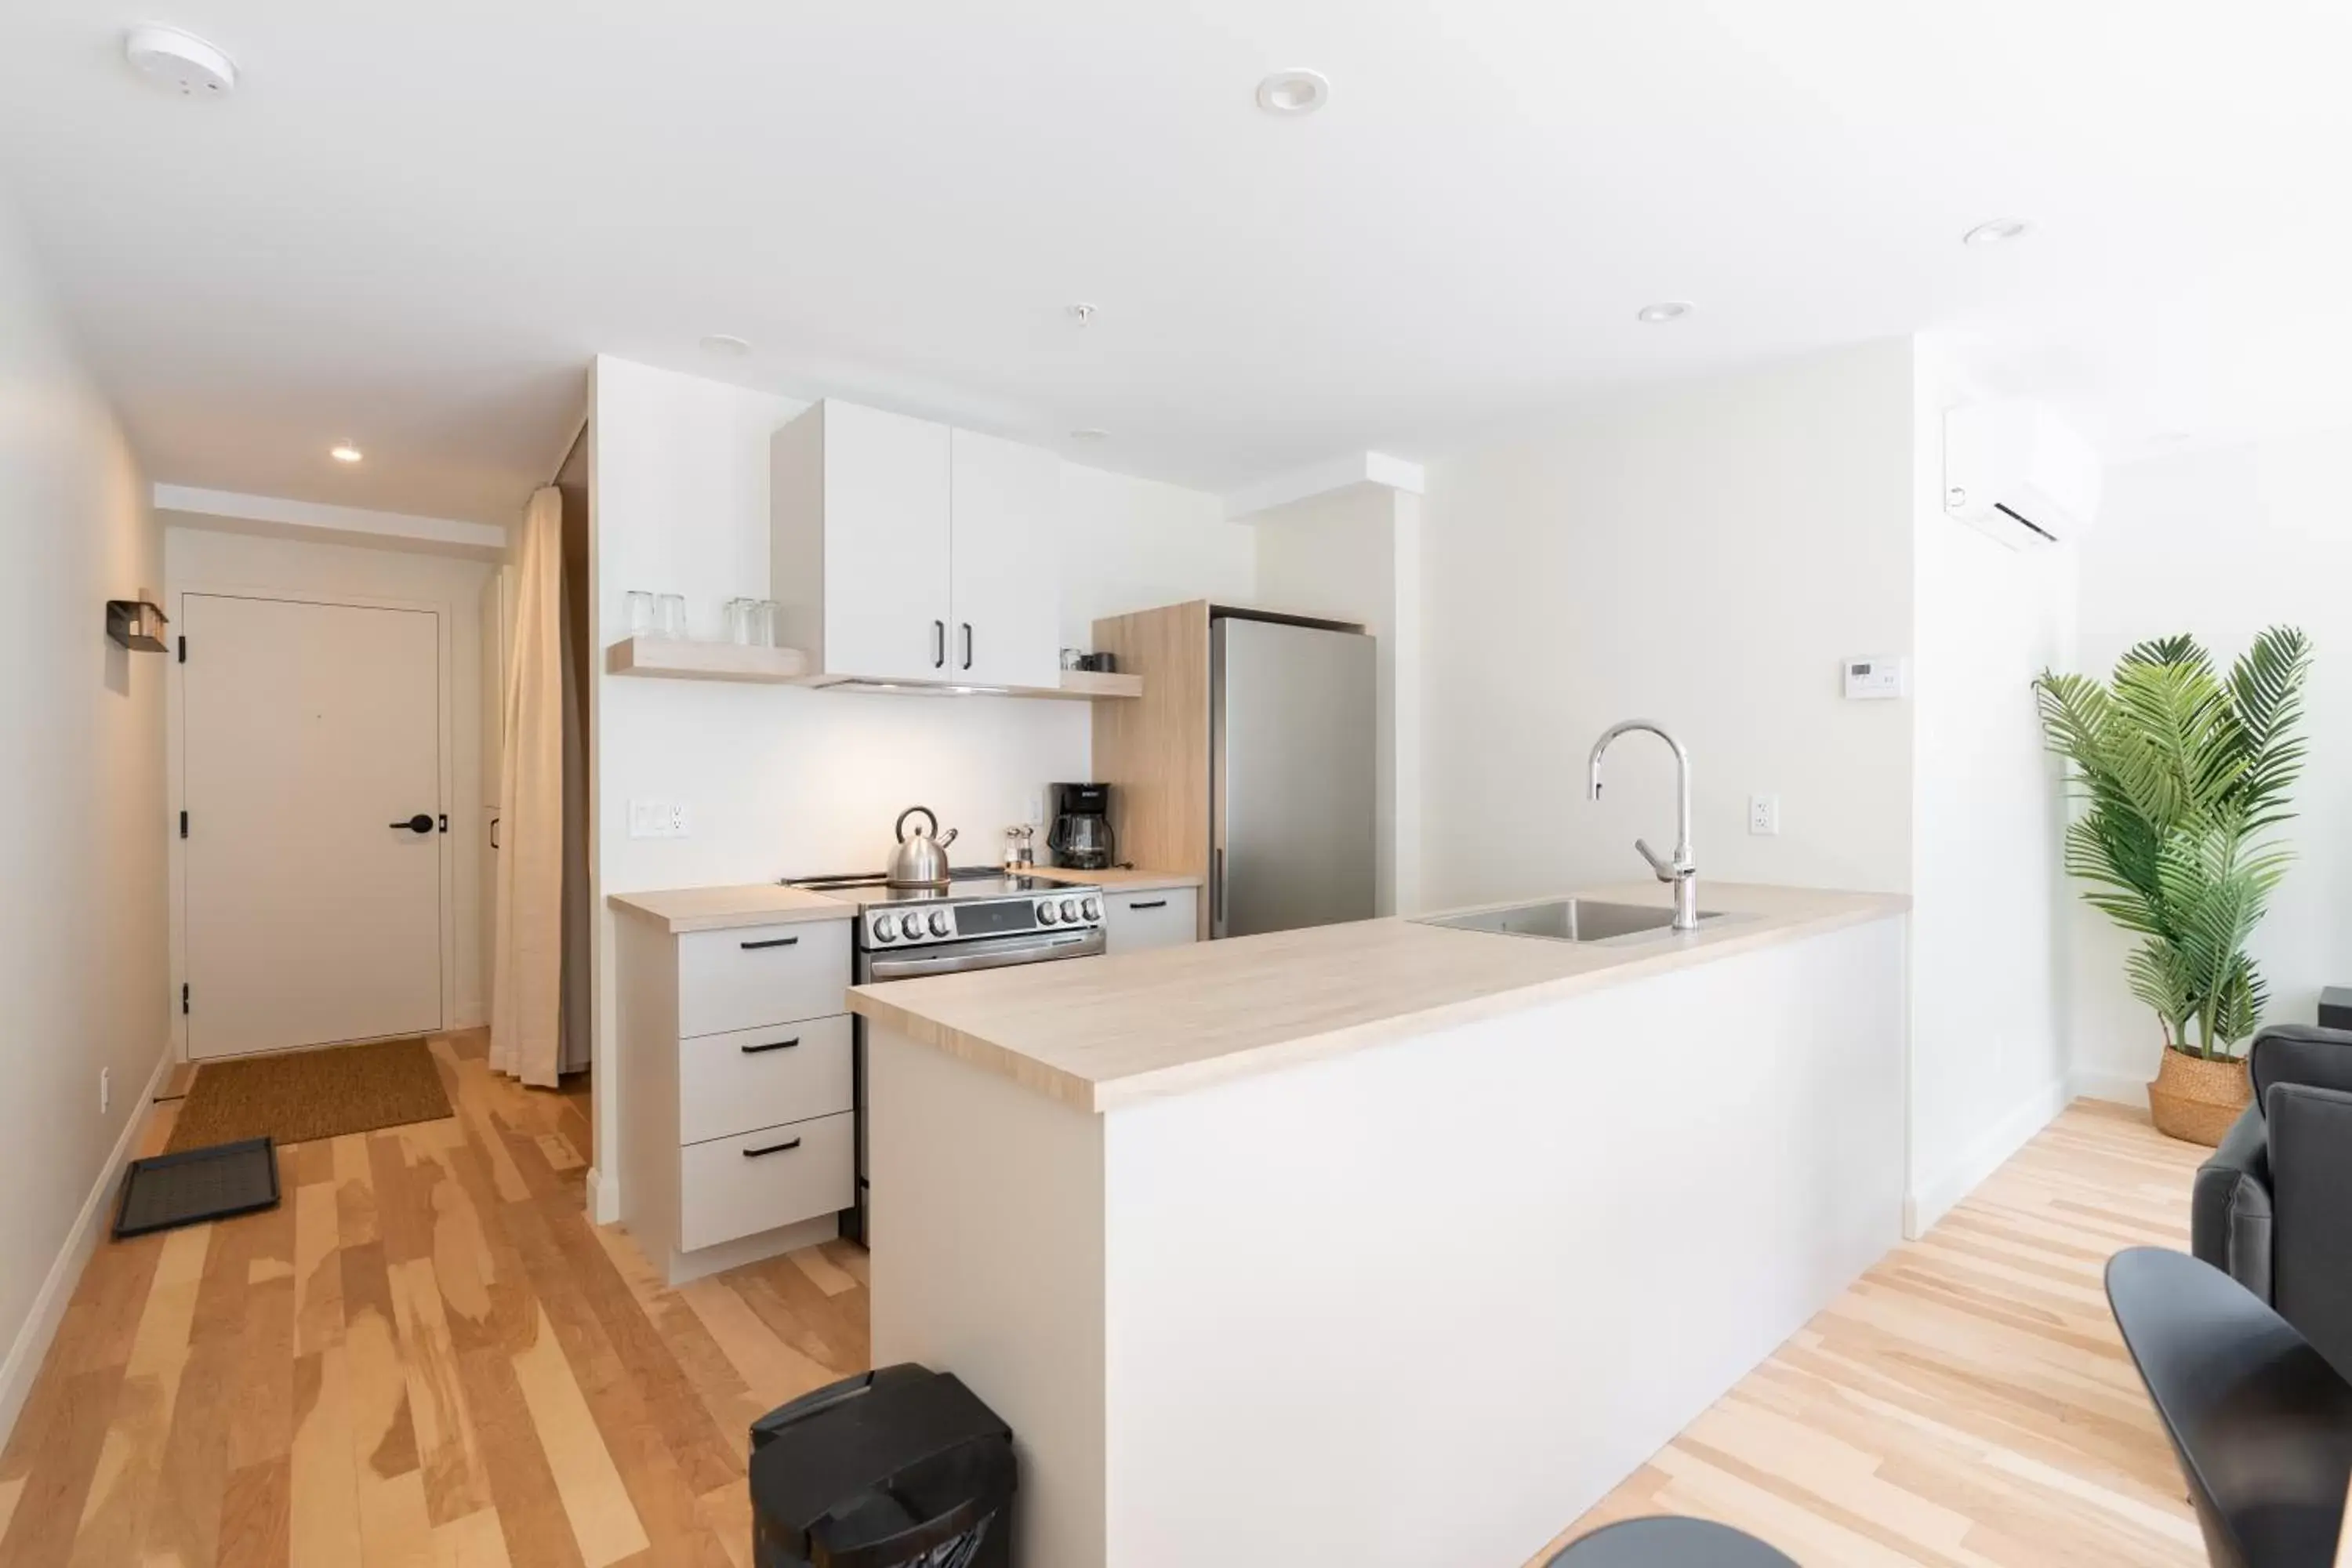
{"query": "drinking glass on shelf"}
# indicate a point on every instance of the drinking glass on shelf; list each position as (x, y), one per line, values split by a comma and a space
(641, 612)
(768, 626)
(743, 622)
(670, 620)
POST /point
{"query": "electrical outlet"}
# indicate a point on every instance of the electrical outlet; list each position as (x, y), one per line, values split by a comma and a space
(660, 819)
(1764, 813)
(105, 1090)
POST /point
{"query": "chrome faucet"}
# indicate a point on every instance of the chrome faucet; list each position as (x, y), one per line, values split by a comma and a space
(1681, 870)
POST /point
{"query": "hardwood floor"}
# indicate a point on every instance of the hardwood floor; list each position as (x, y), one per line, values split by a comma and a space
(1968, 1400)
(427, 1355)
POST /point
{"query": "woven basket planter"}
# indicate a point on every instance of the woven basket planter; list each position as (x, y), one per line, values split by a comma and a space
(2196, 1100)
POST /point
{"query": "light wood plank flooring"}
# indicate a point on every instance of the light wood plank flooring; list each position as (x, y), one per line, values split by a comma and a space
(1967, 1402)
(427, 1355)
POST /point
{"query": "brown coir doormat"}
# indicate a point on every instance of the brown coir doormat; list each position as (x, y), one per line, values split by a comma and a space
(303, 1095)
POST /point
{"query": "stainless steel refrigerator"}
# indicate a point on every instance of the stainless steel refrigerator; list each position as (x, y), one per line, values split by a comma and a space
(1292, 775)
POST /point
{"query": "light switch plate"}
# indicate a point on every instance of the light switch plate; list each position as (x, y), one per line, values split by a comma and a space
(660, 819)
(1877, 677)
(1764, 815)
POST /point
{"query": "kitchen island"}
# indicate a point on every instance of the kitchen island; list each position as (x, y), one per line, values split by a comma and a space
(1383, 1243)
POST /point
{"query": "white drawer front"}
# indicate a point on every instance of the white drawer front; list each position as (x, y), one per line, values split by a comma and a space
(1163, 917)
(756, 975)
(763, 1077)
(753, 1181)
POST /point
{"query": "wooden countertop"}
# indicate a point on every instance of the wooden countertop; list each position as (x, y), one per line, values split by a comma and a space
(721, 909)
(1129, 880)
(1114, 1031)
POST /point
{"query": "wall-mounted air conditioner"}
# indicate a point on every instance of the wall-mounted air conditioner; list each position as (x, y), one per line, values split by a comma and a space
(2019, 473)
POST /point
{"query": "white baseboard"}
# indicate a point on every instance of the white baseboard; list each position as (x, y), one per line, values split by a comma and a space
(40, 1326)
(603, 1197)
(1930, 1200)
(2123, 1088)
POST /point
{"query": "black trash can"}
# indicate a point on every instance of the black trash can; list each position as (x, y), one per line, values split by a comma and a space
(899, 1468)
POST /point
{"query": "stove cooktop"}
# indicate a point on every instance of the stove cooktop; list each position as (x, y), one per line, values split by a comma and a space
(871, 891)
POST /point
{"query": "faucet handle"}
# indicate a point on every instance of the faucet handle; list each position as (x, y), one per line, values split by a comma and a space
(1665, 868)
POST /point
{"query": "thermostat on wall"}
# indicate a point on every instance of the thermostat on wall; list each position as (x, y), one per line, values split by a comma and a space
(1875, 677)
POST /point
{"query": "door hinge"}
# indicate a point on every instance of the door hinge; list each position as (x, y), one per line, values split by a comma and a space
(183, 825)
(183, 1001)
(184, 648)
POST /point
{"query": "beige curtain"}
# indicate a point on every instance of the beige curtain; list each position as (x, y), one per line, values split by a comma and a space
(527, 984)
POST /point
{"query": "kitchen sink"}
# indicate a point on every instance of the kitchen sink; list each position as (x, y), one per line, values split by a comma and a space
(1570, 920)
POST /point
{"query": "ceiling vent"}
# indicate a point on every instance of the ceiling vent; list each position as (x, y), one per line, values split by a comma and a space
(2016, 471)
(180, 61)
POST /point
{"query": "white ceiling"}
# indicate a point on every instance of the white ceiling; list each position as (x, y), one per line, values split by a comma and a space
(413, 226)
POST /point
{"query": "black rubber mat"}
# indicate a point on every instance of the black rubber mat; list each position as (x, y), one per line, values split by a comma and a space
(198, 1185)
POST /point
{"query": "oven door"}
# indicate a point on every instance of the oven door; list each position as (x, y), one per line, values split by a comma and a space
(995, 953)
(945, 958)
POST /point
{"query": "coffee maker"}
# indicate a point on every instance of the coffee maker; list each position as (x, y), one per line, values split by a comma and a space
(1080, 837)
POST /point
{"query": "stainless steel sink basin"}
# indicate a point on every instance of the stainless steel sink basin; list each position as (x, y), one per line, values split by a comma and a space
(1569, 919)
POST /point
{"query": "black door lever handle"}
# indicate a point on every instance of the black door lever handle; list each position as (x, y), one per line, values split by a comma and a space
(421, 823)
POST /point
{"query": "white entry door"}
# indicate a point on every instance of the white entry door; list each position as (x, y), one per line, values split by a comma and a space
(311, 743)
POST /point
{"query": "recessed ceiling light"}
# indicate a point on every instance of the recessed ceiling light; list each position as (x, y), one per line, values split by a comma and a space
(344, 452)
(726, 343)
(2000, 231)
(1081, 313)
(1089, 433)
(1294, 92)
(1663, 311)
(180, 61)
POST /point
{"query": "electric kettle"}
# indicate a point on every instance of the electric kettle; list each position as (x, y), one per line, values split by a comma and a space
(920, 862)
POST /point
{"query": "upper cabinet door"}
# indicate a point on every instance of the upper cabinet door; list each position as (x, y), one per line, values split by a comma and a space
(859, 546)
(1006, 505)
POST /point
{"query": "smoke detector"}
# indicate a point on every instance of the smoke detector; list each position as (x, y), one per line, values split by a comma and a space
(181, 61)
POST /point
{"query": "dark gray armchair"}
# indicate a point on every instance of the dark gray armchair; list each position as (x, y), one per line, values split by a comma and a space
(2272, 1207)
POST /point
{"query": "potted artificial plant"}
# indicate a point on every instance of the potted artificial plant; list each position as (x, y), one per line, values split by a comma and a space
(2184, 773)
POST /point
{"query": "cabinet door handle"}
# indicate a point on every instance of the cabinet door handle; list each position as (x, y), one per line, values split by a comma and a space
(771, 1149)
(494, 833)
(1153, 904)
(772, 1046)
(772, 941)
(939, 645)
(967, 645)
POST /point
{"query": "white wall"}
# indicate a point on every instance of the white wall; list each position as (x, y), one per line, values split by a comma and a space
(1354, 554)
(2220, 544)
(199, 558)
(1988, 964)
(84, 970)
(784, 781)
(1704, 555)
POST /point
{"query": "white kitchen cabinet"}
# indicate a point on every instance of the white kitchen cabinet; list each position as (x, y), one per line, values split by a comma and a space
(904, 551)
(737, 1138)
(1004, 510)
(858, 546)
(1140, 919)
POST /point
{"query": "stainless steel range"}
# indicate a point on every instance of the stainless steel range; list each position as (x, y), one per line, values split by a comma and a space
(981, 920)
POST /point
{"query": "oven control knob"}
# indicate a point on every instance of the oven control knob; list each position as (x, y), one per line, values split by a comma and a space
(885, 928)
(940, 924)
(1070, 909)
(1047, 913)
(1094, 908)
(911, 927)
(905, 926)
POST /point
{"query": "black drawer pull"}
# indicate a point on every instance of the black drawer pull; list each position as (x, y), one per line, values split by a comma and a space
(771, 1149)
(772, 941)
(772, 1046)
(1154, 904)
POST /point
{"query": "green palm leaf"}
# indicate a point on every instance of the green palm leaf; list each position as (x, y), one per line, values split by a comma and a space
(2179, 774)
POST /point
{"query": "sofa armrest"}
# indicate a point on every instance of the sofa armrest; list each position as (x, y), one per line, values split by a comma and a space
(2300, 1053)
(2310, 1188)
(2230, 1207)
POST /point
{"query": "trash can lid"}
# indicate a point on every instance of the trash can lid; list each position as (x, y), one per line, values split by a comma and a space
(824, 1452)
